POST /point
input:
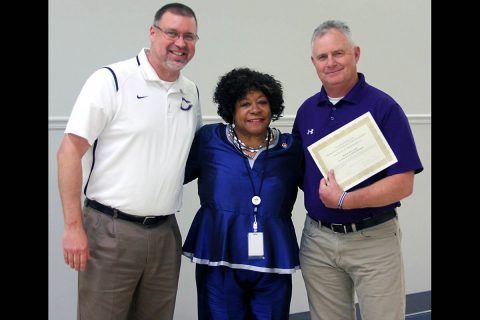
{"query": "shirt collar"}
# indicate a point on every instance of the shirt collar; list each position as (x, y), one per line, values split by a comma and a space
(149, 73)
(353, 96)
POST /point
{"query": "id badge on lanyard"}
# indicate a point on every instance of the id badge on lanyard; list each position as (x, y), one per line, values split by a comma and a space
(255, 239)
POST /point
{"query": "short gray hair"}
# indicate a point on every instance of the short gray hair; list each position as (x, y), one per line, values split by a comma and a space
(332, 24)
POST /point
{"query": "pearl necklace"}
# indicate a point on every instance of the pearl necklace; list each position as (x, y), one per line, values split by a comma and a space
(244, 148)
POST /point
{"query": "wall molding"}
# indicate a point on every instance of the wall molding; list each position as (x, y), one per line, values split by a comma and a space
(59, 123)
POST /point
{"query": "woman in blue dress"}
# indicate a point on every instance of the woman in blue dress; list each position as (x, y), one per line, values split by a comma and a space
(242, 237)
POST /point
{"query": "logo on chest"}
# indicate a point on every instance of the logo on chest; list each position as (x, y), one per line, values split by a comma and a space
(185, 105)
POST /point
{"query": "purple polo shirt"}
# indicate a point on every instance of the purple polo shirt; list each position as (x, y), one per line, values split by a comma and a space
(317, 117)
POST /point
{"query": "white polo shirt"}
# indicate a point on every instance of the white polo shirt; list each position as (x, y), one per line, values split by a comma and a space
(144, 131)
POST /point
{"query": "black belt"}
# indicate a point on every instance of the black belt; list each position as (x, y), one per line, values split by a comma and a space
(146, 221)
(362, 224)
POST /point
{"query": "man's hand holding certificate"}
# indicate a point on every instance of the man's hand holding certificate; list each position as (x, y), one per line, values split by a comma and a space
(355, 152)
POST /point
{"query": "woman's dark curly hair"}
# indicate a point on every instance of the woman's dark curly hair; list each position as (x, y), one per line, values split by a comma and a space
(236, 84)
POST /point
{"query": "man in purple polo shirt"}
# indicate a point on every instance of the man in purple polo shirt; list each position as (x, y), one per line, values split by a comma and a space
(351, 241)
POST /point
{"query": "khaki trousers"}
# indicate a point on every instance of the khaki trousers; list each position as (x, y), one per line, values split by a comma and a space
(133, 270)
(368, 261)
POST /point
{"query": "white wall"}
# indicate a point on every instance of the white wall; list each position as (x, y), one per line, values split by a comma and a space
(272, 36)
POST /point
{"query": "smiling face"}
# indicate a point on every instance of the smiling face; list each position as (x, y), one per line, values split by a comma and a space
(335, 59)
(252, 117)
(168, 56)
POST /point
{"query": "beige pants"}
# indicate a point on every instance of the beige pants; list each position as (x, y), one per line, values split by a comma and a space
(369, 262)
(133, 271)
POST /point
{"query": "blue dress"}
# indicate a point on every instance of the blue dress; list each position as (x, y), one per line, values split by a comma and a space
(218, 235)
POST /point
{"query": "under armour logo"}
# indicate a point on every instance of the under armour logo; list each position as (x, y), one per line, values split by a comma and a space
(309, 131)
(185, 105)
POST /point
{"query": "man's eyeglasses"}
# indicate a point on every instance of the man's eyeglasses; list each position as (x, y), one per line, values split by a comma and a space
(174, 35)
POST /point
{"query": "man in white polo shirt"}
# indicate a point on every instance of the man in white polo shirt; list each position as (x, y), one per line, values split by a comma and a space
(129, 136)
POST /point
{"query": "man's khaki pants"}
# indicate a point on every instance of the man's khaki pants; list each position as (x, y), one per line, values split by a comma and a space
(368, 261)
(133, 270)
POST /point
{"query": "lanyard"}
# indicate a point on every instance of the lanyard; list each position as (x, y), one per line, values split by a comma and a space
(256, 200)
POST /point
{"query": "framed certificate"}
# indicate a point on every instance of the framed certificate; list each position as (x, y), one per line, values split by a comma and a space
(355, 152)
